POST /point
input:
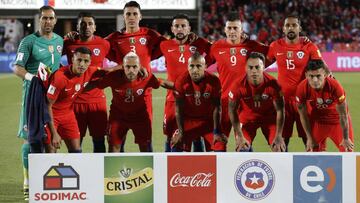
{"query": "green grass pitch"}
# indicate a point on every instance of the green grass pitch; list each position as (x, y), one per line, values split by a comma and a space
(10, 167)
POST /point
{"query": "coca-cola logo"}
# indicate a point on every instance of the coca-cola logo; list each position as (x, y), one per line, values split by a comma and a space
(197, 180)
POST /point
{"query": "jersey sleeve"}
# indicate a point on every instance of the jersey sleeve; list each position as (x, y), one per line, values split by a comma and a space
(314, 51)
(216, 88)
(234, 93)
(153, 82)
(111, 55)
(24, 51)
(276, 90)
(156, 39)
(57, 84)
(107, 80)
(301, 93)
(270, 55)
(179, 92)
(338, 92)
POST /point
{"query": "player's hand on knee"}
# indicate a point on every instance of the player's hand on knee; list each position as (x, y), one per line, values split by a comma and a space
(56, 141)
(242, 144)
(176, 138)
(278, 144)
(220, 138)
(347, 144)
(310, 144)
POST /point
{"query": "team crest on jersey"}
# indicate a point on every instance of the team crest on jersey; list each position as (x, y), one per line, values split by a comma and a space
(181, 48)
(290, 54)
(197, 94)
(77, 87)
(142, 40)
(59, 49)
(243, 52)
(51, 48)
(328, 101)
(232, 51)
(192, 49)
(206, 95)
(231, 95)
(96, 52)
(139, 91)
(264, 96)
(319, 100)
(300, 54)
(132, 40)
(128, 92)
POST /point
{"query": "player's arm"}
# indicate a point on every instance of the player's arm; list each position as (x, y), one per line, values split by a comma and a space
(278, 144)
(344, 122)
(179, 114)
(55, 137)
(305, 122)
(22, 73)
(167, 84)
(241, 142)
(218, 136)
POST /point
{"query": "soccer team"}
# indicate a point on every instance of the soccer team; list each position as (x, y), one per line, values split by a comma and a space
(200, 107)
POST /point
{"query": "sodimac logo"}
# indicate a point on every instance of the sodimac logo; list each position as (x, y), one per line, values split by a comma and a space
(317, 179)
(60, 183)
(192, 179)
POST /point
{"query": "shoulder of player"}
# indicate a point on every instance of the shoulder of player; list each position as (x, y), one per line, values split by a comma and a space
(114, 35)
(302, 84)
(219, 43)
(30, 39)
(333, 83)
(149, 31)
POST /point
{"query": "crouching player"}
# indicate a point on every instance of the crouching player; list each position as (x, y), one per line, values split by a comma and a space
(65, 85)
(328, 117)
(197, 95)
(128, 106)
(262, 106)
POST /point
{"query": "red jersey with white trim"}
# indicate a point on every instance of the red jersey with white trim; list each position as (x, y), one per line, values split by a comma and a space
(231, 60)
(128, 96)
(198, 97)
(145, 43)
(65, 87)
(323, 102)
(177, 56)
(292, 60)
(256, 102)
(99, 49)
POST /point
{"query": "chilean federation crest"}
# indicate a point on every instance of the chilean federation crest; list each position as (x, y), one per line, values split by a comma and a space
(254, 179)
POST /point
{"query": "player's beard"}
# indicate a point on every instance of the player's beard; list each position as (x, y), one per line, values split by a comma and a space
(180, 36)
(291, 35)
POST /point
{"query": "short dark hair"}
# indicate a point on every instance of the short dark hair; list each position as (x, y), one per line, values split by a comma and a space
(316, 64)
(181, 16)
(196, 55)
(132, 4)
(86, 14)
(257, 55)
(45, 8)
(233, 16)
(293, 15)
(83, 50)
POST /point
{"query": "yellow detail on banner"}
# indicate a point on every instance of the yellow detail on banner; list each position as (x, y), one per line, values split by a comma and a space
(134, 183)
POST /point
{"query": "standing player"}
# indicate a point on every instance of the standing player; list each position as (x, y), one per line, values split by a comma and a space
(128, 107)
(39, 50)
(140, 40)
(198, 108)
(177, 52)
(292, 54)
(90, 107)
(261, 106)
(230, 55)
(329, 116)
(65, 85)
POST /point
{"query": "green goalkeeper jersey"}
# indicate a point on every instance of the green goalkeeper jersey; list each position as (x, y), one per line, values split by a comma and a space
(36, 51)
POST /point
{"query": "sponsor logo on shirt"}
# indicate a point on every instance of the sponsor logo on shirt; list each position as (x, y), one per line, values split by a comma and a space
(231, 95)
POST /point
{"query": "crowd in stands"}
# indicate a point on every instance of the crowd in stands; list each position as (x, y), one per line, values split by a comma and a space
(334, 25)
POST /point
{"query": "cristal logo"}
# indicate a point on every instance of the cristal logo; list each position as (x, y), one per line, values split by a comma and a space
(197, 180)
(312, 176)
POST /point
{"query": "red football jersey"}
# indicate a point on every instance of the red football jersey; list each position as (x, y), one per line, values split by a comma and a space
(231, 60)
(65, 87)
(99, 48)
(323, 102)
(256, 102)
(198, 97)
(145, 43)
(128, 97)
(177, 56)
(292, 61)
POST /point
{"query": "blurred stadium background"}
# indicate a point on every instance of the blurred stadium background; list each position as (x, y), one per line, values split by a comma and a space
(334, 25)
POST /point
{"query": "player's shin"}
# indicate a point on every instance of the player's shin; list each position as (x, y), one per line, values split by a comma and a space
(99, 146)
